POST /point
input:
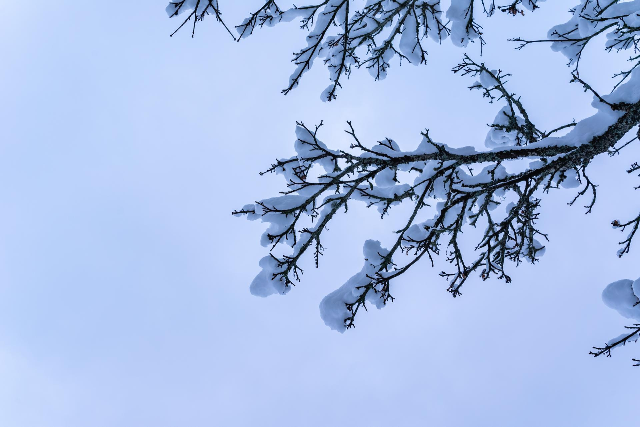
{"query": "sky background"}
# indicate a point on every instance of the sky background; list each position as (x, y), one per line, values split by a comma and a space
(124, 279)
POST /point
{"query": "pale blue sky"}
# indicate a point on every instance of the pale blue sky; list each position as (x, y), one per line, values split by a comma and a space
(124, 279)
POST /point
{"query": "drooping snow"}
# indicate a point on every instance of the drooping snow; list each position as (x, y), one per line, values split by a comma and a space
(621, 296)
(333, 307)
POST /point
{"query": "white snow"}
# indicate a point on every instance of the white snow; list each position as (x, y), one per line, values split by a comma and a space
(263, 285)
(333, 309)
(621, 296)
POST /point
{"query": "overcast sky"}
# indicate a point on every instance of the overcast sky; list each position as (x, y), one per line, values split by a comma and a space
(124, 279)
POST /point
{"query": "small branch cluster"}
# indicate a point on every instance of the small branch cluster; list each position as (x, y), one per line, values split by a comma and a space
(632, 335)
(618, 20)
(197, 11)
(346, 34)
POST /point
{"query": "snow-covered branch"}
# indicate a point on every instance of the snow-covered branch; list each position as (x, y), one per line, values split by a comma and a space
(434, 175)
(624, 297)
(347, 34)
(351, 33)
(618, 20)
(502, 199)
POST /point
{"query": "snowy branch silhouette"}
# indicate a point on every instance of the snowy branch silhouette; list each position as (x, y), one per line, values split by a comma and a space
(503, 198)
